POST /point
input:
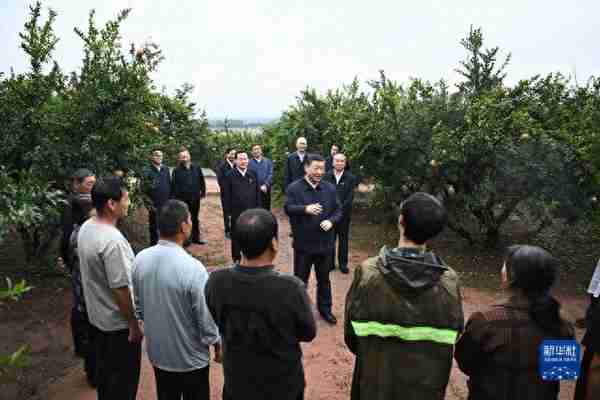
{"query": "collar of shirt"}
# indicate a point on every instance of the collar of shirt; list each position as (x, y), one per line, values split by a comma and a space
(313, 186)
(157, 167)
(337, 176)
(167, 243)
(230, 163)
(258, 159)
(301, 155)
(255, 270)
(243, 172)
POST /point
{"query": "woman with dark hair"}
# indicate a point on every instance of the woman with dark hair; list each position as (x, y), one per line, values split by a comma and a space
(499, 348)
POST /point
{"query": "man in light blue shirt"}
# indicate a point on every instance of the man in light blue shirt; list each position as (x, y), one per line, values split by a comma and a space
(169, 291)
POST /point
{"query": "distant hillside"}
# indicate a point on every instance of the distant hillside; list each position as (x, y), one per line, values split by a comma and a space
(239, 124)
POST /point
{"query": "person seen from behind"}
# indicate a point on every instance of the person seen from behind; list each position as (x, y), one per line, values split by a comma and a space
(262, 315)
(499, 349)
(169, 291)
(404, 312)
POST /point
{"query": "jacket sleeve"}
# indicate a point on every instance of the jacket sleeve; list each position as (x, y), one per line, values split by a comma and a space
(337, 214)
(201, 182)
(305, 320)
(351, 300)
(227, 193)
(292, 204)
(269, 178)
(173, 194)
(469, 352)
(67, 229)
(287, 174)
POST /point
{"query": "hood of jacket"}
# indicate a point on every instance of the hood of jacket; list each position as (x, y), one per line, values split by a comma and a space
(410, 268)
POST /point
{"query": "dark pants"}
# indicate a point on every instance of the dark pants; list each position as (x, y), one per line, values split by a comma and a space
(194, 206)
(117, 365)
(192, 385)
(584, 377)
(266, 199)
(303, 263)
(342, 232)
(84, 342)
(153, 217)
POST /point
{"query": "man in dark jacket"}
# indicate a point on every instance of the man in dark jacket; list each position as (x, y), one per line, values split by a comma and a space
(294, 165)
(344, 183)
(221, 169)
(157, 188)
(588, 383)
(404, 313)
(262, 316)
(240, 193)
(335, 149)
(314, 211)
(187, 185)
(263, 168)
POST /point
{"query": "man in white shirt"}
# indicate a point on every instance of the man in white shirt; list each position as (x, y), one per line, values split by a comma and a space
(106, 261)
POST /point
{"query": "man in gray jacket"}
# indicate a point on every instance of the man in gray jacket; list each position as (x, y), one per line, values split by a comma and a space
(169, 290)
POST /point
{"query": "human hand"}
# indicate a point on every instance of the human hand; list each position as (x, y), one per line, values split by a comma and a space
(60, 263)
(326, 225)
(263, 188)
(314, 209)
(135, 332)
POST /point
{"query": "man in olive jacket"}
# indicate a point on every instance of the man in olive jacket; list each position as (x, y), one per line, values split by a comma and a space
(404, 313)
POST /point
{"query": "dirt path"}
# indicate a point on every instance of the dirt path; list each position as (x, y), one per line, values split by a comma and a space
(328, 364)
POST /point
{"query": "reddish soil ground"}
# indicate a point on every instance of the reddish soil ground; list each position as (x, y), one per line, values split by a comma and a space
(327, 362)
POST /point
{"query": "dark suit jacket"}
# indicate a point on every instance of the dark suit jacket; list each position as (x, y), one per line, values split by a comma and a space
(221, 169)
(344, 189)
(308, 235)
(157, 184)
(188, 184)
(240, 193)
(294, 169)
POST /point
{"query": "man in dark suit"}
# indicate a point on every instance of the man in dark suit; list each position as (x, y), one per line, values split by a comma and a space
(294, 165)
(329, 160)
(188, 185)
(222, 168)
(263, 168)
(314, 210)
(241, 192)
(345, 183)
(157, 188)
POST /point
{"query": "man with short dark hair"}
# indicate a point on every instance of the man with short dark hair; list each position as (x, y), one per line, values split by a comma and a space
(404, 312)
(345, 183)
(314, 210)
(157, 188)
(221, 169)
(294, 165)
(106, 262)
(263, 316)
(240, 193)
(263, 168)
(335, 149)
(188, 185)
(169, 290)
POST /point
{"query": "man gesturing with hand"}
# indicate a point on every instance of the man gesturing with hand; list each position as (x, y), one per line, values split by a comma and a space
(313, 209)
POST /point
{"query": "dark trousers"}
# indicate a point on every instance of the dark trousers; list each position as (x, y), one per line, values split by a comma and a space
(342, 233)
(581, 388)
(266, 199)
(303, 263)
(191, 385)
(153, 216)
(117, 365)
(194, 206)
(84, 342)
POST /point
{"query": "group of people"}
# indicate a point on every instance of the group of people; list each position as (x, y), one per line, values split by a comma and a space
(403, 312)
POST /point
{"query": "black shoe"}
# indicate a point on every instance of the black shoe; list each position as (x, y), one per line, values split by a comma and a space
(329, 317)
(344, 269)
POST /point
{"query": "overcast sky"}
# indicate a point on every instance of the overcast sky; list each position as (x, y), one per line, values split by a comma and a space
(251, 58)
